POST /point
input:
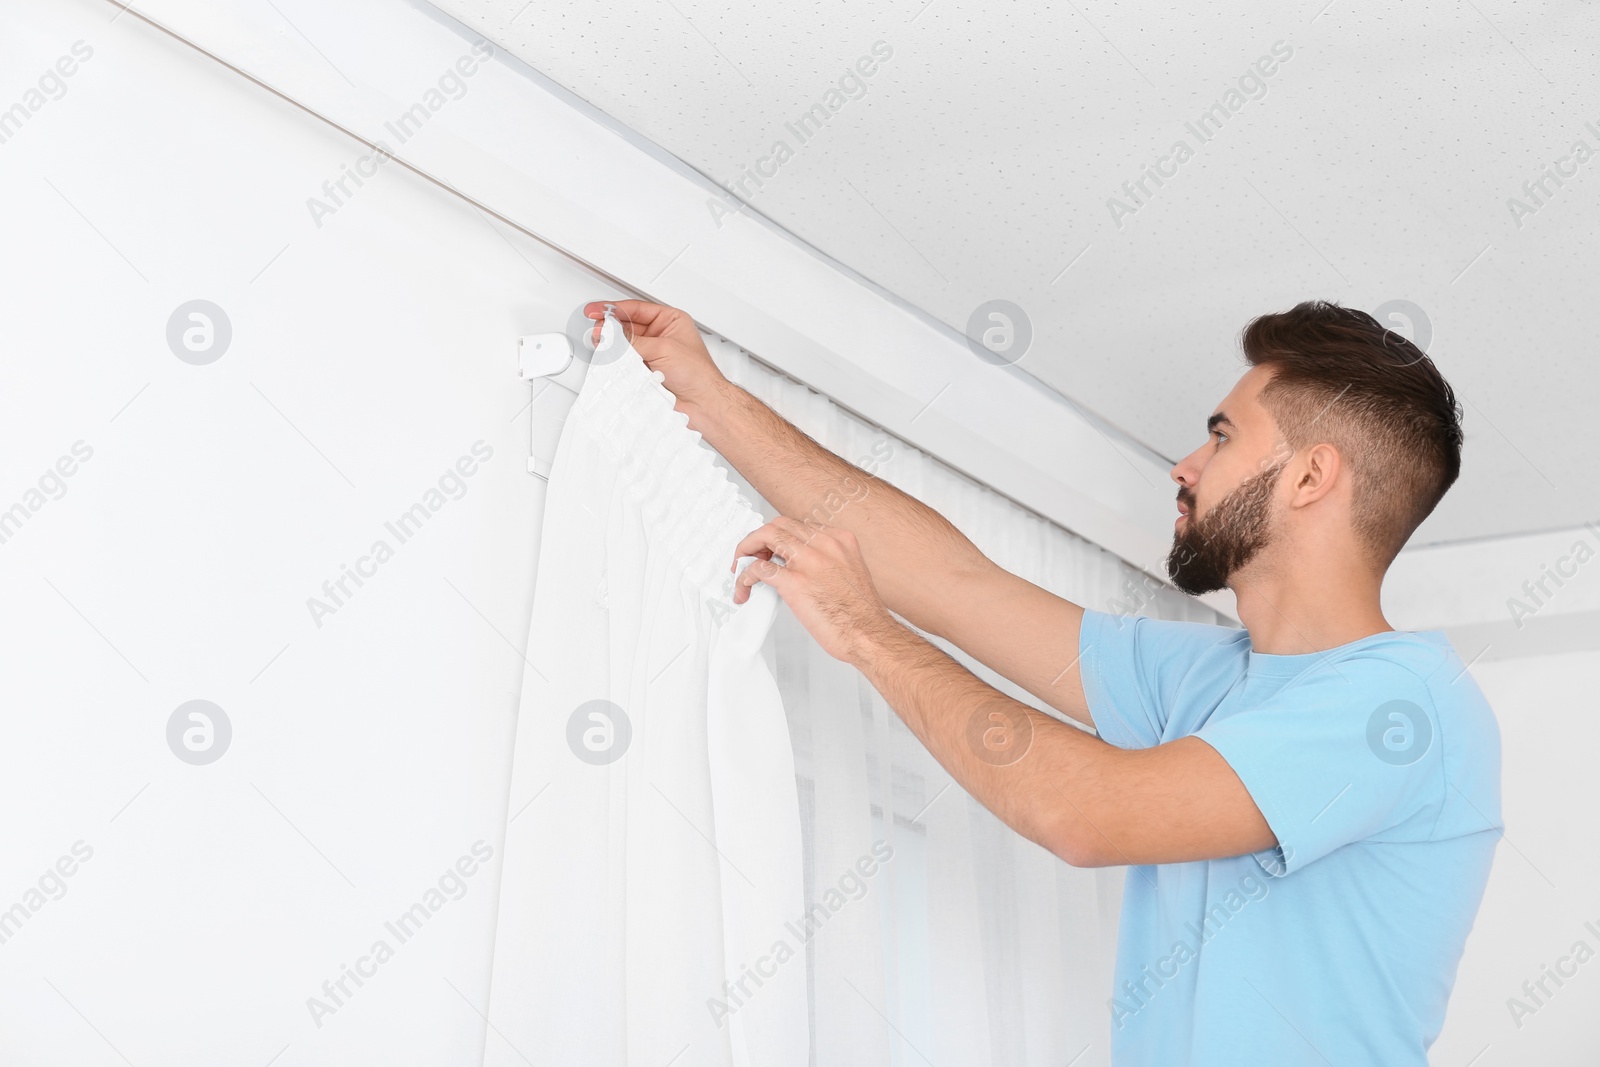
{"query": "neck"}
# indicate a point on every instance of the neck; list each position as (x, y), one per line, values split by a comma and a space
(1308, 608)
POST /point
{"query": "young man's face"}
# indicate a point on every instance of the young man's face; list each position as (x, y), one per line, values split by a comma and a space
(1227, 489)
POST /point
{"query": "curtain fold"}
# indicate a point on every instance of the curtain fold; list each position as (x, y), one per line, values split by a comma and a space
(653, 853)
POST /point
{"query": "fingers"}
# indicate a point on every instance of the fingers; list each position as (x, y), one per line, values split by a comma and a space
(782, 536)
(649, 319)
(596, 310)
(764, 543)
(762, 570)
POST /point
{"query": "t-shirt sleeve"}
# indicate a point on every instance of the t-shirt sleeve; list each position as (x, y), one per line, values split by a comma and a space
(1132, 666)
(1351, 754)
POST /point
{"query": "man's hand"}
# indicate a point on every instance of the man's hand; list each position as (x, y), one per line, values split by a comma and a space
(668, 341)
(823, 579)
(1090, 803)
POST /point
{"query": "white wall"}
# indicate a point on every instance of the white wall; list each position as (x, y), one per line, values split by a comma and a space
(368, 754)
(1546, 880)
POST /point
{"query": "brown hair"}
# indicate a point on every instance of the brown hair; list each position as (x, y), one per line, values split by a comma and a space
(1339, 377)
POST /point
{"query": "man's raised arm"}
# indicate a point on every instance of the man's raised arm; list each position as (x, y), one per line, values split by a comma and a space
(923, 568)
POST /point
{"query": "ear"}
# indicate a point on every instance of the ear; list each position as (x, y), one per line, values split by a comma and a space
(1316, 474)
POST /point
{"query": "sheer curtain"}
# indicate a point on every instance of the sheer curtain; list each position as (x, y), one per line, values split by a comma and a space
(701, 871)
(653, 845)
(969, 945)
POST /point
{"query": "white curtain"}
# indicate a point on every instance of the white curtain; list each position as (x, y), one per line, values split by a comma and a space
(652, 856)
(711, 896)
(971, 945)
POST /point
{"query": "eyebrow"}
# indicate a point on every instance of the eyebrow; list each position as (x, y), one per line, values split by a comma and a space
(1219, 419)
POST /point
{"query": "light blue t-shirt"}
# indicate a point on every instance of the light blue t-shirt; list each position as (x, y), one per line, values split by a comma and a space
(1377, 765)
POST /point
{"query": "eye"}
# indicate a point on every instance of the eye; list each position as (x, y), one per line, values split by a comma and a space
(1219, 433)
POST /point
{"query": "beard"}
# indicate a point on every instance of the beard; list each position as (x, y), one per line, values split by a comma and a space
(1207, 551)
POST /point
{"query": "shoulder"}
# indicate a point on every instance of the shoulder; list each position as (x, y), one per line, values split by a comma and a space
(1164, 655)
(1142, 675)
(1423, 667)
(1425, 708)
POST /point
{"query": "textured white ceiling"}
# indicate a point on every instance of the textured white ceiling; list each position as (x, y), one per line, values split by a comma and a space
(1372, 165)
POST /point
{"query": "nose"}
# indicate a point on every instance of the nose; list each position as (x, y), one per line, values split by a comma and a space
(1186, 472)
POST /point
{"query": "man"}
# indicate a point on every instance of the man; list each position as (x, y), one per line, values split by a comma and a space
(1309, 806)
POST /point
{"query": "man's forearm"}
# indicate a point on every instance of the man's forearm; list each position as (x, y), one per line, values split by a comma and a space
(904, 541)
(1043, 778)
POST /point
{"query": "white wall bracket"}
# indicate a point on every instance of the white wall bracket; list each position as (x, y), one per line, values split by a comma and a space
(547, 358)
